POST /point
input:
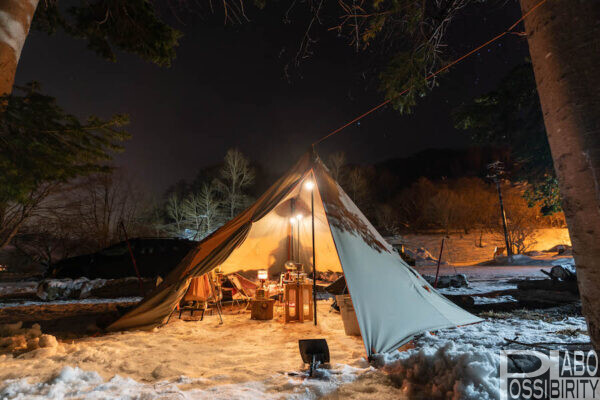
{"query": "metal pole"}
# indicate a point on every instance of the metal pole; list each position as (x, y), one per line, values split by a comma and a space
(292, 219)
(503, 214)
(298, 224)
(437, 274)
(137, 272)
(312, 215)
(292, 241)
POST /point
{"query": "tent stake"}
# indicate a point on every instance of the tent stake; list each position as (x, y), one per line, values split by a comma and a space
(437, 274)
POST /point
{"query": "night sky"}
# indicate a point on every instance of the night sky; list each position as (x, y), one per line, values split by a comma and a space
(227, 88)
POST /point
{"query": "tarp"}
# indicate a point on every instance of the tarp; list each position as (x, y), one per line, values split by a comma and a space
(392, 301)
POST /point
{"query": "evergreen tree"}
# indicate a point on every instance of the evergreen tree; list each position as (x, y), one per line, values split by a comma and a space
(42, 147)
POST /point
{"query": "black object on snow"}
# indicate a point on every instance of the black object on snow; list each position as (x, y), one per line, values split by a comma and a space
(154, 257)
(314, 352)
(338, 287)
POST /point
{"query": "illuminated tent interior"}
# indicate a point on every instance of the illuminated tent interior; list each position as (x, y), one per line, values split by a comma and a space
(393, 303)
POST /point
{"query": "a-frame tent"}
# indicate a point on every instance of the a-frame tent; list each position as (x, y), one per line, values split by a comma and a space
(392, 301)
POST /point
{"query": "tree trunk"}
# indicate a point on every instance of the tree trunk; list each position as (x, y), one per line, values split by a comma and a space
(8, 232)
(565, 50)
(15, 20)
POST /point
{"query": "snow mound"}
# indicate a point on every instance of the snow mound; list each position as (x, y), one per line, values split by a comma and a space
(60, 289)
(59, 302)
(463, 363)
(422, 257)
(494, 300)
(447, 370)
(525, 260)
(75, 383)
(448, 281)
(18, 340)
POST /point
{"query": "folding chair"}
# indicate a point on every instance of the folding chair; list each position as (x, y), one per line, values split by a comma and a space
(241, 293)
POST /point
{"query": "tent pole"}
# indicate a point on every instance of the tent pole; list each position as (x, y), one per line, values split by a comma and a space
(293, 242)
(298, 225)
(312, 215)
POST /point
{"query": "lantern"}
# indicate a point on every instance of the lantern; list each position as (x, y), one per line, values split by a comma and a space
(298, 302)
(262, 275)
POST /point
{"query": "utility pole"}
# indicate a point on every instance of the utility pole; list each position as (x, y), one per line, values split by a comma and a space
(496, 169)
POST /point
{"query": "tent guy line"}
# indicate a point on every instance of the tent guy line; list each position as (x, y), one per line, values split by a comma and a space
(434, 74)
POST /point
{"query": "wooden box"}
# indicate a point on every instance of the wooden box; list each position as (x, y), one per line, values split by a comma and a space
(262, 309)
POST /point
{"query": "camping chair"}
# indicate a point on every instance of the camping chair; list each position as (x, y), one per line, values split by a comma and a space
(196, 297)
(240, 294)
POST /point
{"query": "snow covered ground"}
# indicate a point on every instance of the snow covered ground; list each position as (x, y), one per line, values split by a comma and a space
(58, 302)
(485, 279)
(16, 288)
(248, 359)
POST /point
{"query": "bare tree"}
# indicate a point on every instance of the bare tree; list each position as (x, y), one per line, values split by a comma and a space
(236, 175)
(103, 202)
(211, 207)
(357, 185)
(14, 214)
(201, 212)
(81, 217)
(51, 235)
(337, 165)
(175, 225)
(443, 209)
(522, 220)
(387, 219)
(192, 215)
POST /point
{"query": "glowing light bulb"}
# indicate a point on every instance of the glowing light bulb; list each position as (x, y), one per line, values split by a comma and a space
(309, 185)
(298, 217)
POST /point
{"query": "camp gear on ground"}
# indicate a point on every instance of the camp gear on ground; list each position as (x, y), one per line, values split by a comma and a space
(314, 352)
(348, 315)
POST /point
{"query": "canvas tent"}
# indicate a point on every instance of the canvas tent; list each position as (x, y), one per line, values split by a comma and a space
(392, 301)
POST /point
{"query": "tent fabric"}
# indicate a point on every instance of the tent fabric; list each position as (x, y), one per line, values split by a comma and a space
(392, 301)
(267, 243)
(214, 250)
